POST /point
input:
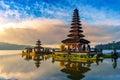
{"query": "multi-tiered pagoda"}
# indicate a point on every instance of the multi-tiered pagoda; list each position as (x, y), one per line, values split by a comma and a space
(38, 47)
(75, 40)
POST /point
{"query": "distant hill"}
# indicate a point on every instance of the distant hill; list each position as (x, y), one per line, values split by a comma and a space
(109, 45)
(8, 46)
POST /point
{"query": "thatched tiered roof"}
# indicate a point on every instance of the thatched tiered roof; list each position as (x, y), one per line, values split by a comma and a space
(76, 31)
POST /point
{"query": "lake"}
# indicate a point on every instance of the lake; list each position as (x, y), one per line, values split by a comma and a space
(14, 66)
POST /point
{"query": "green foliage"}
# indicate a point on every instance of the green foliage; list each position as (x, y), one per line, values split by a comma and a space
(75, 57)
(113, 45)
(62, 47)
(107, 56)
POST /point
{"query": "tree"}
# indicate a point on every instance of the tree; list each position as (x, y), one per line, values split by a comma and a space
(62, 47)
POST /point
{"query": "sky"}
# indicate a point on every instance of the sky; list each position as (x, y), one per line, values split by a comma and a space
(25, 21)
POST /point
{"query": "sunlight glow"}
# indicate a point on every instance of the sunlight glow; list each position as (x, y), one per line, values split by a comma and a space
(1, 28)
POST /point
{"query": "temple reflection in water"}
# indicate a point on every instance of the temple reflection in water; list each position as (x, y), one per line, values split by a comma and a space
(36, 57)
(74, 69)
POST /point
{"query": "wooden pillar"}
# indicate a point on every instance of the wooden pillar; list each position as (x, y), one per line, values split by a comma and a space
(84, 48)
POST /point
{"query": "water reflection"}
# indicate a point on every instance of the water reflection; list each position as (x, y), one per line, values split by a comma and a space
(75, 69)
(36, 57)
(114, 64)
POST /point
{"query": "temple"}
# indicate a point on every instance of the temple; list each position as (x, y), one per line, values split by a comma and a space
(38, 48)
(75, 41)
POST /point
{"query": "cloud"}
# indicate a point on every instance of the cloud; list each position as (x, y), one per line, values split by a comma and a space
(45, 20)
(52, 31)
(60, 10)
(3, 5)
(94, 15)
(98, 34)
(49, 31)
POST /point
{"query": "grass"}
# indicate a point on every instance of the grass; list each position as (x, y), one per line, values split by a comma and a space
(107, 56)
(74, 56)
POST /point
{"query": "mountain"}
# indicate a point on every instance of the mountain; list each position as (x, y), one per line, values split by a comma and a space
(8, 46)
(109, 45)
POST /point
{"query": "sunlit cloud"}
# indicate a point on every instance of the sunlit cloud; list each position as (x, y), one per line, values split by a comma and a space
(49, 31)
(50, 22)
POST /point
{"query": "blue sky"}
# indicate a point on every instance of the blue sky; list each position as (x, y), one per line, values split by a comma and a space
(99, 19)
(62, 9)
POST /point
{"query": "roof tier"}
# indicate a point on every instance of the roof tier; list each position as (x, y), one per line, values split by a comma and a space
(74, 27)
(76, 23)
(76, 35)
(76, 31)
(70, 40)
(38, 42)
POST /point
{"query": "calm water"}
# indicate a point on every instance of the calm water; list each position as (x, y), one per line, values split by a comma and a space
(14, 66)
(109, 51)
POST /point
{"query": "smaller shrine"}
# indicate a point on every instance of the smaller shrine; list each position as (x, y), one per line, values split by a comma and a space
(38, 48)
